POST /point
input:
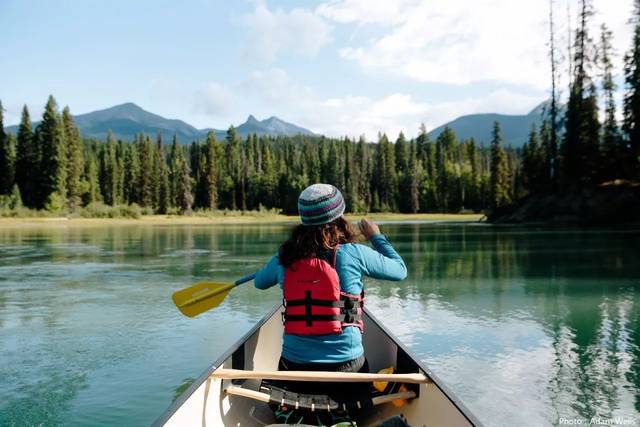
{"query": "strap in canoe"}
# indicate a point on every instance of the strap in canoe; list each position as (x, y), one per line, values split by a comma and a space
(314, 402)
(340, 377)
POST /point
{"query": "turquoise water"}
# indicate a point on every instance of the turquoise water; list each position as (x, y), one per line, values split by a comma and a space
(527, 326)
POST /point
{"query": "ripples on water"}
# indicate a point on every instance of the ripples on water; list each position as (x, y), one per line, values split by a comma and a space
(524, 325)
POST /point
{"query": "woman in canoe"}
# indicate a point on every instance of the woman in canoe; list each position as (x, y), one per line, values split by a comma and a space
(320, 269)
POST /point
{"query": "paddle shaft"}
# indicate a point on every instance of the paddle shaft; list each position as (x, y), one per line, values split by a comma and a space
(245, 279)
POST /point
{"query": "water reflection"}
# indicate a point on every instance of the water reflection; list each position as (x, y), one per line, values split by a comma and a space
(569, 298)
(525, 324)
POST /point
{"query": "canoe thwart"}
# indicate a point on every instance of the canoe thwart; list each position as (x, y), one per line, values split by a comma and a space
(266, 398)
(340, 377)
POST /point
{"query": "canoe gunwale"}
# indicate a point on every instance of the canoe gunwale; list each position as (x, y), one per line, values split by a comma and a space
(176, 404)
(455, 401)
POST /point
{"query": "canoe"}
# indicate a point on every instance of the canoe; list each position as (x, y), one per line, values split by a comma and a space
(228, 393)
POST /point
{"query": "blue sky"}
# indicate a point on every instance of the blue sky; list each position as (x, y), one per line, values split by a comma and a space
(338, 67)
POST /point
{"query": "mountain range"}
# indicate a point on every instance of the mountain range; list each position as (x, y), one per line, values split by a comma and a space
(515, 129)
(126, 120)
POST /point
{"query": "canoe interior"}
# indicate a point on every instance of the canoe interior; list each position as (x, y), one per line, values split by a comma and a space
(206, 404)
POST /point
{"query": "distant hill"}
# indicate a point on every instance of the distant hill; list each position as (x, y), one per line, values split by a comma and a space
(126, 120)
(515, 128)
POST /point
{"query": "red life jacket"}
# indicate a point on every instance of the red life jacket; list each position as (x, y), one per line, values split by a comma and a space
(313, 301)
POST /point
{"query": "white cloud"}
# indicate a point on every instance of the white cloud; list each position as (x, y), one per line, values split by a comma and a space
(365, 11)
(355, 115)
(273, 87)
(273, 91)
(272, 33)
(459, 42)
(213, 99)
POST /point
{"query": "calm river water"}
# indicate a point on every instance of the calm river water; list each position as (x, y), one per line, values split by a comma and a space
(527, 326)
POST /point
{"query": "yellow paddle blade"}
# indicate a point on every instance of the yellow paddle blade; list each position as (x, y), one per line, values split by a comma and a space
(201, 297)
(400, 402)
(381, 385)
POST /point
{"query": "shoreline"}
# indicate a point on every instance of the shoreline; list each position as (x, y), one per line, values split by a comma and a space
(248, 219)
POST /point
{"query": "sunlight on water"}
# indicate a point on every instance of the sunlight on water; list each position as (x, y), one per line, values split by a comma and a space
(525, 325)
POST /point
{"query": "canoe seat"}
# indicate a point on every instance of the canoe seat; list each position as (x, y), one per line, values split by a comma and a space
(277, 396)
(315, 402)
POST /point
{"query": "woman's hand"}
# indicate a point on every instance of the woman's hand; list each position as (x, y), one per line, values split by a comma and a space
(368, 228)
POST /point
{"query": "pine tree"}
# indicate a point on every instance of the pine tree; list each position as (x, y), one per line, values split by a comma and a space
(444, 145)
(185, 196)
(174, 171)
(132, 172)
(27, 167)
(147, 180)
(209, 175)
(249, 172)
(500, 189)
(532, 161)
(473, 202)
(351, 175)
(121, 153)
(53, 162)
(109, 171)
(6, 159)
(580, 149)
(386, 175)
(546, 184)
(414, 173)
(428, 185)
(552, 150)
(75, 160)
(196, 162)
(402, 154)
(161, 178)
(612, 145)
(269, 178)
(335, 166)
(233, 168)
(92, 194)
(631, 125)
(363, 158)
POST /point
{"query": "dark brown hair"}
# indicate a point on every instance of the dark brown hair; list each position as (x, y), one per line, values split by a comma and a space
(308, 241)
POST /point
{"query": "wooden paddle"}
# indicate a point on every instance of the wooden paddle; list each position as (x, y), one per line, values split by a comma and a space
(204, 296)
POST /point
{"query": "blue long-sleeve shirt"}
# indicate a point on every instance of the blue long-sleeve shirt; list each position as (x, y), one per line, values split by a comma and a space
(353, 262)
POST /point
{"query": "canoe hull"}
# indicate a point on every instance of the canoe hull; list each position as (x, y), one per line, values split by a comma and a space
(206, 404)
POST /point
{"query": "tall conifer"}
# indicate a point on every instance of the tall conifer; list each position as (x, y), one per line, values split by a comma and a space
(75, 160)
(631, 124)
(580, 149)
(500, 188)
(6, 159)
(147, 180)
(27, 167)
(53, 161)
(210, 172)
(162, 178)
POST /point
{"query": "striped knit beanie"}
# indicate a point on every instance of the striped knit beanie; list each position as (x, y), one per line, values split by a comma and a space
(320, 204)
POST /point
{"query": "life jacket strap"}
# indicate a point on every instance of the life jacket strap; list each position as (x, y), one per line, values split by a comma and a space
(317, 302)
(348, 309)
(343, 318)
